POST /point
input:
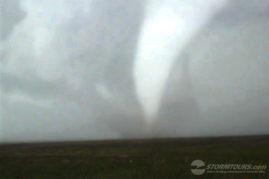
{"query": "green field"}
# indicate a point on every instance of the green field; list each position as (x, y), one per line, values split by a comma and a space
(146, 158)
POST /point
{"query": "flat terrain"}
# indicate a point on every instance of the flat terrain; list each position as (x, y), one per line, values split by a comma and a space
(147, 158)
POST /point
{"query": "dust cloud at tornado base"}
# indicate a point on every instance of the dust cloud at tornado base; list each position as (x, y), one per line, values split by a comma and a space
(67, 72)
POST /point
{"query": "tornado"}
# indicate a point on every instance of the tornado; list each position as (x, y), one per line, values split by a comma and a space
(167, 28)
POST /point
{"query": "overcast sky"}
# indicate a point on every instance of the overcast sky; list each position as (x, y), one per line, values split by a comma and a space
(97, 69)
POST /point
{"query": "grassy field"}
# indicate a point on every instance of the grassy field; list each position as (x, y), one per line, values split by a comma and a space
(148, 158)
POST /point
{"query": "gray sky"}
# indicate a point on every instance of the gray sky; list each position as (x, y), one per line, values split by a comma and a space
(72, 70)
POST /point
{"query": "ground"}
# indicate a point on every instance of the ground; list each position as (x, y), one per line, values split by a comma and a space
(137, 158)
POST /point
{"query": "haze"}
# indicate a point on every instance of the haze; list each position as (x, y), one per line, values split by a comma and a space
(100, 69)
